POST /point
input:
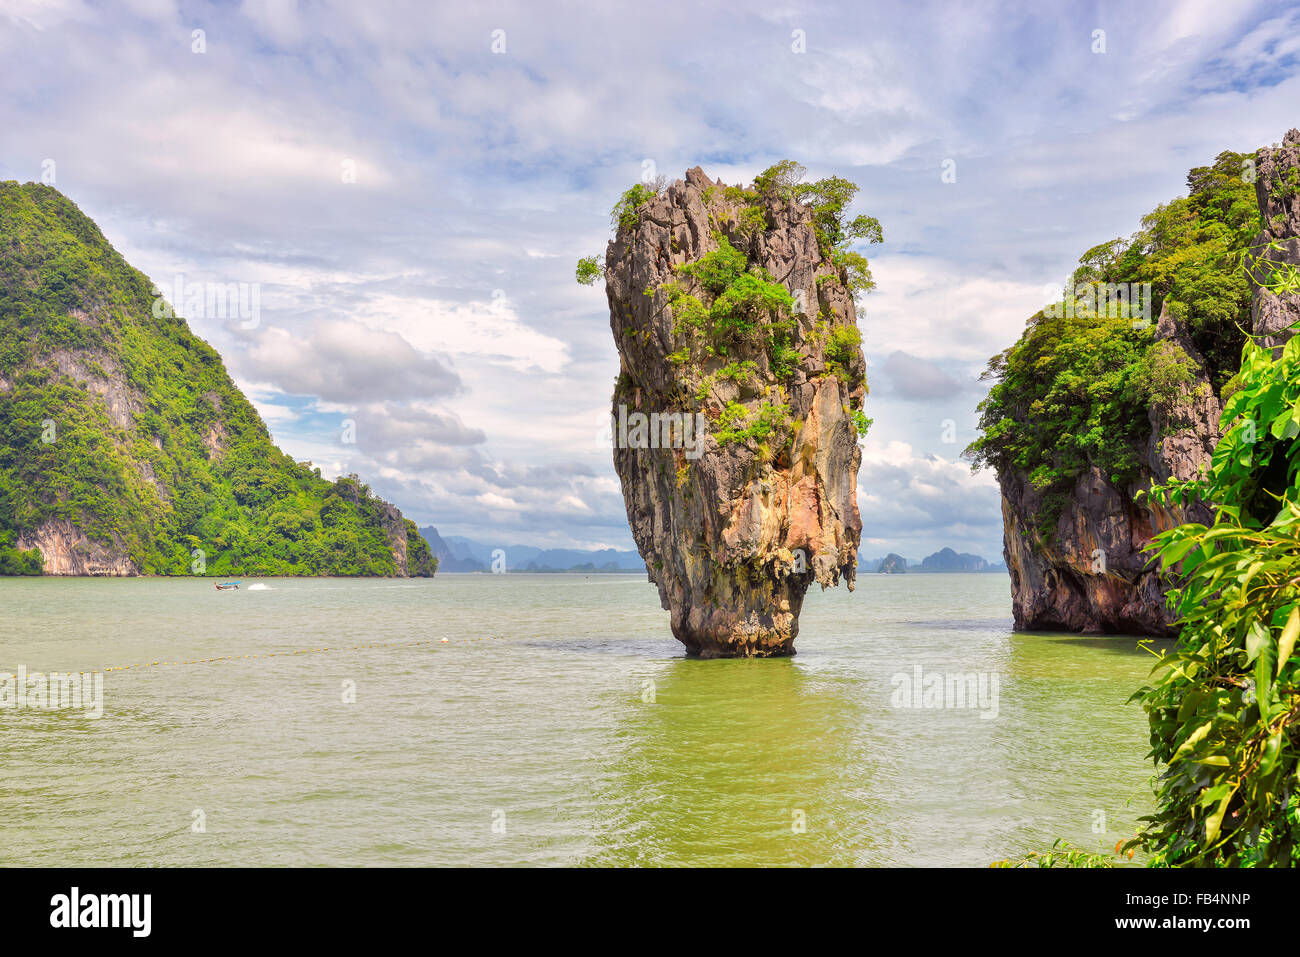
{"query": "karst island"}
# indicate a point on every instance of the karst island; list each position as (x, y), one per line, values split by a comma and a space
(733, 307)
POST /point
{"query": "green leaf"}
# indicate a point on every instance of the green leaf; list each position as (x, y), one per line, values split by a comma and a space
(1272, 748)
(1264, 685)
(1286, 644)
(1215, 820)
(1173, 552)
(1257, 639)
(1193, 739)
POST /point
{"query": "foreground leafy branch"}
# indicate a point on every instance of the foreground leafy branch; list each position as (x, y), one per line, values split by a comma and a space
(1225, 706)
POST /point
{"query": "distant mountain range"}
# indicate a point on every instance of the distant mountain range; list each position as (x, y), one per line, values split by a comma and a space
(458, 554)
(944, 560)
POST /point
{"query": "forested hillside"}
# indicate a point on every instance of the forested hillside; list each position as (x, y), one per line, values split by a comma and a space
(125, 448)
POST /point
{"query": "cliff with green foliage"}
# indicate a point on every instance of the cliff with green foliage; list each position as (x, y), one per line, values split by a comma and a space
(125, 448)
(1117, 387)
(1223, 704)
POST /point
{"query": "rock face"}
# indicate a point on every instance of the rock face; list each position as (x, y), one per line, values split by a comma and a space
(1089, 573)
(67, 550)
(1277, 189)
(733, 532)
(411, 555)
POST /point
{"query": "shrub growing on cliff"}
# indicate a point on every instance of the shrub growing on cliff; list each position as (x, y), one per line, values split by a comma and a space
(737, 424)
(738, 371)
(782, 356)
(750, 299)
(841, 349)
(1191, 250)
(860, 421)
(781, 180)
(15, 561)
(1068, 395)
(624, 213)
(743, 298)
(1169, 374)
(829, 200)
(1225, 709)
(718, 269)
(589, 270)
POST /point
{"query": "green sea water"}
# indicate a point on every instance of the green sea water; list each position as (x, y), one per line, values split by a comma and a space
(559, 724)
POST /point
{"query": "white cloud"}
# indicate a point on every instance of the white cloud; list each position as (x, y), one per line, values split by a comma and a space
(933, 309)
(923, 502)
(489, 329)
(478, 172)
(343, 361)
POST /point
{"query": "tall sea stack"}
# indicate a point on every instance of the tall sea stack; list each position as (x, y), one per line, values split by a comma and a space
(733, 308)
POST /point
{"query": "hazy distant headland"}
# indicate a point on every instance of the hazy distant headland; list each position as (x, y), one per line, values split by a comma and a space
(456, 553)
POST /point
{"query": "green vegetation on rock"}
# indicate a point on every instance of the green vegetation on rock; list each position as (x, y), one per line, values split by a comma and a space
(829, 199)
(625, 210)
(743, 299)
(1073, 392)
(14, 561)
(841, 348)
(739, 424)
(588, 270)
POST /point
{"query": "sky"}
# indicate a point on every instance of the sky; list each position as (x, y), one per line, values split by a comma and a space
(407, 187)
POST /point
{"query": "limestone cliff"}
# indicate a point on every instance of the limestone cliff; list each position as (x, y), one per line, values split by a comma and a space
(753, 498)
(1087, 571)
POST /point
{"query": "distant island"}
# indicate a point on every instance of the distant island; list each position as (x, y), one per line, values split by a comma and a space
(943, 561)
(892, 564)
(457, 554)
